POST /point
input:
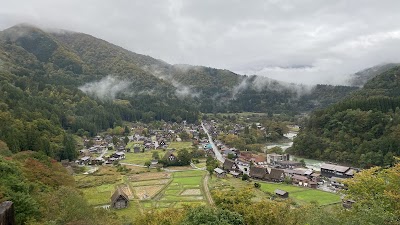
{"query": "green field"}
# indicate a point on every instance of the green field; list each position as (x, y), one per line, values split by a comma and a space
(300, 195)
(149, 182)
(149, 190)
(321, 197)
(187, 181)
(189, 173)
(180, 145)
(184, 189)
(142, 157)
(271, 187)
(99, 195)
(303, 195)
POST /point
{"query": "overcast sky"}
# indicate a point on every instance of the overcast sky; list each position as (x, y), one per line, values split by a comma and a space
(305, 41)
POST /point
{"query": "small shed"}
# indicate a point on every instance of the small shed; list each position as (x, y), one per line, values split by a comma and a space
(219, 172)
(348, 203)
(282, 193)
(119, 200)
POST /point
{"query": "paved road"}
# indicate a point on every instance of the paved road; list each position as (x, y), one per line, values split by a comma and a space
(217, 153)
(207, 190)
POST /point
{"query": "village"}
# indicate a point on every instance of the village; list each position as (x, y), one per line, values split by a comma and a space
(146, 167)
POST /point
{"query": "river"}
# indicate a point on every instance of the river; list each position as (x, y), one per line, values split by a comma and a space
(310, 163)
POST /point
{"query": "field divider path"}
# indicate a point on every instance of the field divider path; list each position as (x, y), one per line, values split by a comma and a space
(135, 199)
(158, 195)
(207, 190)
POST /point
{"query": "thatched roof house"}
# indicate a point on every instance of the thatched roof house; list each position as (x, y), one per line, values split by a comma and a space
(258, 172)
(229, 165)
(276, 175)
(119, 199)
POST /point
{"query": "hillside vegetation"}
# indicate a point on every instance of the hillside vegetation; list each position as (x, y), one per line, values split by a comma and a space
(362, 130)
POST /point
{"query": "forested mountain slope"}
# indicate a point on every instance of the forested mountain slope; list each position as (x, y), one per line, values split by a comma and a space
(53, 82)
(362, 77)
(212, 90)
(363, 129)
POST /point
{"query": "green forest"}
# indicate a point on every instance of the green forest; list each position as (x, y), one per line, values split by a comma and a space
(361, 130)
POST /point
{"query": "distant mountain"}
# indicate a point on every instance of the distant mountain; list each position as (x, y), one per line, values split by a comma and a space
(362, 130)
(360, 78)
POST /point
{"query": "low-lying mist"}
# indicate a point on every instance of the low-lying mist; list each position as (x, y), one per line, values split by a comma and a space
(106, 88)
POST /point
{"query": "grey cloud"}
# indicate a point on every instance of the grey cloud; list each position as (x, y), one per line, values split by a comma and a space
(181, 90)
(106, 88)
(260, 83)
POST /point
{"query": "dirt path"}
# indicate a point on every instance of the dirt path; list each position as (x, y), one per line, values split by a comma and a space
(207, 190)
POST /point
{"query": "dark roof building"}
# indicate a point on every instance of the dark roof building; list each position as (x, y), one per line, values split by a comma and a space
(219, 172)
(169, 156)
(276, 175)
(136, 149)
(258, 172)
(331, 170)
(282, 193)
(119, 199)
(229, 165)
(288, 164)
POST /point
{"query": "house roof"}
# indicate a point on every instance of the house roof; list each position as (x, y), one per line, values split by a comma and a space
(228, 164)
(85, 158)
(234, 173)
(258, 159)
(243, 161)
(219, 171)
(280, 192)
(298, 177)
(275, 173)
(350, 172)
(168, 154)
(308, 172)
(292, 163)
(315, 175)
(332, 167)
(118, 192)
(258, 172)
